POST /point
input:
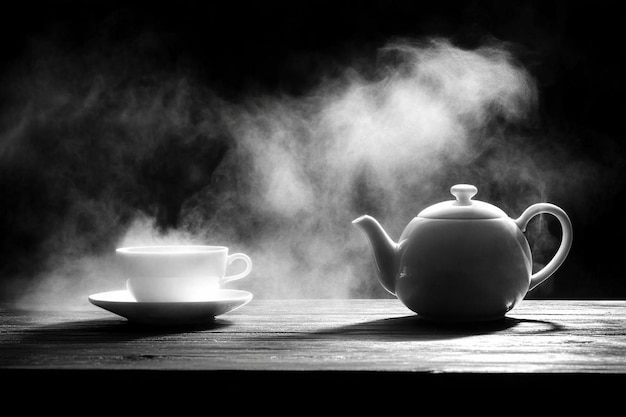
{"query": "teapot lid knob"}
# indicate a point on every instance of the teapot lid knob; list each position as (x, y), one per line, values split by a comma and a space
(463, 207)
(463, 194)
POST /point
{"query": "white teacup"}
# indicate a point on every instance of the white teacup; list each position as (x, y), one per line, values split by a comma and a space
(178, 272)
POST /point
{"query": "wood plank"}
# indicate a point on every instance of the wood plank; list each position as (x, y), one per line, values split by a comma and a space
(340, 335)
(352, 354)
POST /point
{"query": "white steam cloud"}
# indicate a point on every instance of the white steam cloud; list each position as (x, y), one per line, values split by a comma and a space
(366, 144)
(297, 170)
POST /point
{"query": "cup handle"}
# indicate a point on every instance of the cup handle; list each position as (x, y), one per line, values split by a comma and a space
(232, 258)
(566, 240)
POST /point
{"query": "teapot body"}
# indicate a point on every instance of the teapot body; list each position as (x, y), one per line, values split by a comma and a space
(462, 260)
(462, 270)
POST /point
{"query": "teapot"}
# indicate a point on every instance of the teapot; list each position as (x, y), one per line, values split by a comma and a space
(462, 260)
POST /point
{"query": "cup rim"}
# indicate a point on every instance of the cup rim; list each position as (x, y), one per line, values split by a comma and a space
(161, 250)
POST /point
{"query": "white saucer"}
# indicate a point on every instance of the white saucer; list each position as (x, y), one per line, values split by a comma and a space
(124, 304)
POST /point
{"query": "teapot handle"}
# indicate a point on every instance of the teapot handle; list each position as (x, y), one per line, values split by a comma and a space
(566, 240)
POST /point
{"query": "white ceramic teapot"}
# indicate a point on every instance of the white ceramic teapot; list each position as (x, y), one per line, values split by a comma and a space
(462, 260)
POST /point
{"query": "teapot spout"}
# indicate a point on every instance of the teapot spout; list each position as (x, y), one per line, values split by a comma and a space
(384, 250)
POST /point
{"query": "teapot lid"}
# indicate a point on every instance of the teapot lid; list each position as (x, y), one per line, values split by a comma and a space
(463, 207)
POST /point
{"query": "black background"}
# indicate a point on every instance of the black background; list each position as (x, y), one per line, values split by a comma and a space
(574, 51)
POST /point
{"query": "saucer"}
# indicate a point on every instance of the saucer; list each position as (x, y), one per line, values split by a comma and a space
(124, 304)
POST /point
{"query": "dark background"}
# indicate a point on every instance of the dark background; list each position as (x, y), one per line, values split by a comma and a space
(574, 51)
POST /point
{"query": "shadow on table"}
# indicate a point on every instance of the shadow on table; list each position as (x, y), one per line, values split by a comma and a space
(110, 330)
(413, 328)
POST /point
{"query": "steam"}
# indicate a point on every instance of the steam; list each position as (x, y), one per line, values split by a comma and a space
(164, 160)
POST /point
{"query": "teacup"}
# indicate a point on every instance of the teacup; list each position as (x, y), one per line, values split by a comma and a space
(177, 273)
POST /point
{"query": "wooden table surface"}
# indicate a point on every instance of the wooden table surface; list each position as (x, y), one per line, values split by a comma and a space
(329, 341)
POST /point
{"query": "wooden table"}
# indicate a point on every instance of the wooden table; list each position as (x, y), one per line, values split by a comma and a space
(375, 346)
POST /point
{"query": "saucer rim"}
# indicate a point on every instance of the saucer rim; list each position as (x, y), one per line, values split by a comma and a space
(169, 313)
(241, 296)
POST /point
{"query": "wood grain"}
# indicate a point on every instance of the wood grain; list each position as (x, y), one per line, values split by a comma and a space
(326, 335)
(350, 356)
